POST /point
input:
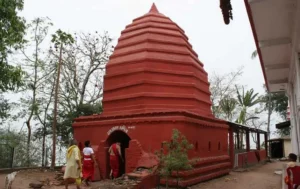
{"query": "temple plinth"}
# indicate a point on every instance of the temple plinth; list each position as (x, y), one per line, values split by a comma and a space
(154, 83)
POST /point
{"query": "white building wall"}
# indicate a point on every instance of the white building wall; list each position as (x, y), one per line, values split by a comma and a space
(287, 147)
(294, 98)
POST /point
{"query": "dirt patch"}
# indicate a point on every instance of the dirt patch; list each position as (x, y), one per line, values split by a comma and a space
(25, 177)
(2, 180)
(261, 176)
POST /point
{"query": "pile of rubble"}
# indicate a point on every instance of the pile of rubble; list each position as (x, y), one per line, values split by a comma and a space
(58, 179)
(126, 182)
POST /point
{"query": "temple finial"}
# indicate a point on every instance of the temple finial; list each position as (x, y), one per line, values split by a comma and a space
(153, 9)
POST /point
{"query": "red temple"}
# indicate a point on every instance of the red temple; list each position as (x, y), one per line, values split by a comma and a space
(154, 83)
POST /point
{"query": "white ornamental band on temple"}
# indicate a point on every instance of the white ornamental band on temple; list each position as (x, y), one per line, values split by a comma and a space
(120, 128)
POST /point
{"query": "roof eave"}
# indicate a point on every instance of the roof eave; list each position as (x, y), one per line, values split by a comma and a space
(249, 12)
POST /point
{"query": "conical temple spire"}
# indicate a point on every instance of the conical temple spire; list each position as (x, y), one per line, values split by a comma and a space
(153, 9)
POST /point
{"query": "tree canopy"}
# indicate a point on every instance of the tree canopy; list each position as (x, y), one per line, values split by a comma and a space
(12, 30)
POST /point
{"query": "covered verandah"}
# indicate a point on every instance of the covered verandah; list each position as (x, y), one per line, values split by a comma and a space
(240, 151)
(276, 29)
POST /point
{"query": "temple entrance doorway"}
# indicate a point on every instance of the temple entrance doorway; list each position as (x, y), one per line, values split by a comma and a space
(123, 138)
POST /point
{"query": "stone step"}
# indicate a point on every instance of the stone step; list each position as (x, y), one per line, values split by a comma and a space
(196, 179)
(201, 170)
(212, 160)
(137, 175)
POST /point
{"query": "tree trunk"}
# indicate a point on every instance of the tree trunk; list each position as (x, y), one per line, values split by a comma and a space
(269, 119)
(43, 150)
(55, 110)
(28, 144)
(46, 160)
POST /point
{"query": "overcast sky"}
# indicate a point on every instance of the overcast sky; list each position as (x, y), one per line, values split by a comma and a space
(221, 48)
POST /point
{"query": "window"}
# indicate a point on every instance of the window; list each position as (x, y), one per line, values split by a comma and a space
(209, 146)
(219, 146)
(196, 146)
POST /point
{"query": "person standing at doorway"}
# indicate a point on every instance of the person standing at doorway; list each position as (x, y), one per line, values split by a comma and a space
(89, 162)
(73, 167)
(115, 157)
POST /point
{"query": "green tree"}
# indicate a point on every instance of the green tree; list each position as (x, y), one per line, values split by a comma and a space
(246, 100)
(14, 143)
(59, 39)
(44, 113)
(176, 158)
(4, 108)
(81, 86)
(224, 87)
(66, 119)
(12, 30)
(277, 102)
(228, 106)
(254, 54)
(36, 72)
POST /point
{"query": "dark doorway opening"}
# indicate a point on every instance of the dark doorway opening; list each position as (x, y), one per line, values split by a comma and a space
(123, 138)
(277, 149)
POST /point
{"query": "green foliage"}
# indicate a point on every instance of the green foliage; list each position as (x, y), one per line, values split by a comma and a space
(246, 100)
(62, 38)
(284, 132)
(223, 91)
(4, 108)
(13, 147)
(66, 119)
(278, 102)
(228, 105)
(176, 158)
(12, 30)
(254, 54)
(10, 77)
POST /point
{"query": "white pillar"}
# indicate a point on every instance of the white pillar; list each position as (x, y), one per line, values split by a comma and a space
(294, 97)
(297, 101)
(295, 147)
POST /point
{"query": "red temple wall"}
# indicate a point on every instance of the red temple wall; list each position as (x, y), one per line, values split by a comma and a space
(147, 138)
(133, 155)
(263, 154)
(250, 158)
(147, 134)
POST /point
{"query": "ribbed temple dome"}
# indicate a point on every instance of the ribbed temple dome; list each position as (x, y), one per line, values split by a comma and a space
(154, 68)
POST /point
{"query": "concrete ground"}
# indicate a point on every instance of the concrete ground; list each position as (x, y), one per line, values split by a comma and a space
(260, 177)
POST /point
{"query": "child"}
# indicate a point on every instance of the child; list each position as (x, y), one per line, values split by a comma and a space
(292, 163)
(292, 159)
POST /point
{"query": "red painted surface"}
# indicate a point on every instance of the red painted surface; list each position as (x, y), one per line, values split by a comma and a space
(155, 83)
(251, 158)
(231, 147)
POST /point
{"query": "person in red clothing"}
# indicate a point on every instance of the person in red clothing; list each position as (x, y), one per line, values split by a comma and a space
(89, 162)
(115, 157)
